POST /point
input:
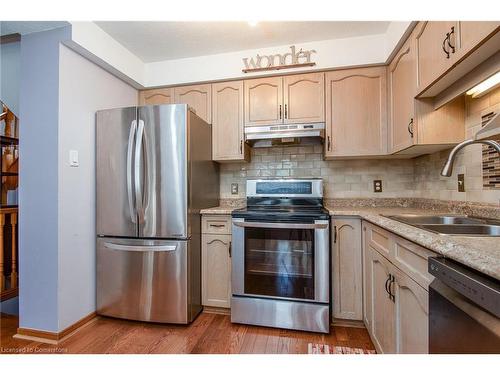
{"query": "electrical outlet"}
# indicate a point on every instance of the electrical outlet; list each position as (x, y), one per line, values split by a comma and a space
(234, 188)
(461, 182)
(377, 186)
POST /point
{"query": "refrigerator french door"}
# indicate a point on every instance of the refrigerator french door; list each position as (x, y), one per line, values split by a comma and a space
(151, 185)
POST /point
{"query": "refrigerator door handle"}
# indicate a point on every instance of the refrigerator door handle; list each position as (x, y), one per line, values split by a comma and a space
(115, 246)
(137, 172)
(130, 152)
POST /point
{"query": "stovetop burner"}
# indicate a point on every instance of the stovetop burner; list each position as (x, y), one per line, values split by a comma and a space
(284, 200)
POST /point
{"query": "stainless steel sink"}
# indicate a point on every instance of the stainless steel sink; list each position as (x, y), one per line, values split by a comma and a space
(464, 229)
(452, 224)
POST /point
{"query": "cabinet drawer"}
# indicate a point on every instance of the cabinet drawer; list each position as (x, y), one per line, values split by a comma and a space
(412, 259)
(380, 239)
(216, 224)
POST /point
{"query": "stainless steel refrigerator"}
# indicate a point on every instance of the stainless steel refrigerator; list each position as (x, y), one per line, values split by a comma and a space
(154, 174)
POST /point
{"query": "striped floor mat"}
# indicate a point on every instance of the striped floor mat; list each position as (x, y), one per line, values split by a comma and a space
(328, 349)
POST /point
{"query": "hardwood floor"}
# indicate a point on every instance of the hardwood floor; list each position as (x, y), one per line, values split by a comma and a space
(208, 334)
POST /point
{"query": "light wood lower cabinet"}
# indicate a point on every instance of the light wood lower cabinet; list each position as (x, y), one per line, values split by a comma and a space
(216, 266)
(347, 288)
(395, 305)
(356, 112)
(411, 314)
(216, 261)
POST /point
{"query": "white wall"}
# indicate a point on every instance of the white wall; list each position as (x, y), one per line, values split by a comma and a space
(92, 42)
(10, 58)
(84, 88)
(333, 53)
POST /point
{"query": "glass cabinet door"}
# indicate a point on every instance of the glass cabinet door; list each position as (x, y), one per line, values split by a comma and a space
(279, 262)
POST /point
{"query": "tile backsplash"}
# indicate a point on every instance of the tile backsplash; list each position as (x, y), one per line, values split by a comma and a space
(342, 178)
(401, 178)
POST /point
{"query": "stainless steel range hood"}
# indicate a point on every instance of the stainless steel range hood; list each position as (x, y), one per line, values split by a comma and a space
(290, 134)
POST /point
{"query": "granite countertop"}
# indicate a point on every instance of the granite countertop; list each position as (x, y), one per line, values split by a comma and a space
(479, 253)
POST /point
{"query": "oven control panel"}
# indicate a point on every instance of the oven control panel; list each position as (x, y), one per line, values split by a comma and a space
(311, 188)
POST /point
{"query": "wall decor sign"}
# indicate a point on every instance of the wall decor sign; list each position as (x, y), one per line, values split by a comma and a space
(292, 59)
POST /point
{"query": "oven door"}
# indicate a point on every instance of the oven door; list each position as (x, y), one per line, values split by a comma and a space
(281, 260)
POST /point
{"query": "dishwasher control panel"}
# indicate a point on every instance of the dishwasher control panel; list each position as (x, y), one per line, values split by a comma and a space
(479, 288)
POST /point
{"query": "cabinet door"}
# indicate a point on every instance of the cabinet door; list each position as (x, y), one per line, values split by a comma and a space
(264, 101)
(304, 98)
(156, 96)
(227, 121)
(367, 277)
(199, 97)
(356, 112)
(402, 89)
(216, 270)
(412, 315)
(382, 307)
(432, 58)
(473, 32)
(347, 299)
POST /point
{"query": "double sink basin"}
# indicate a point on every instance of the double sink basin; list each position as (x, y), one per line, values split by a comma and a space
(452, 224)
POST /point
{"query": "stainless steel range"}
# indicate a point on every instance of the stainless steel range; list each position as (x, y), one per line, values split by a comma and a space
(281, 258)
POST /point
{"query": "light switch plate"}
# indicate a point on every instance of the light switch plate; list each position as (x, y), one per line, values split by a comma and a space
(234, 188)
(73, 158)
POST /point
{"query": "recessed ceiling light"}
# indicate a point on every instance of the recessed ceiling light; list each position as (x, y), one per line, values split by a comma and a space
(486, 86)
(253, 23)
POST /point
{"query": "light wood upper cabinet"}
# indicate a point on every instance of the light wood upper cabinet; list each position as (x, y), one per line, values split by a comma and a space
(356, 112)
(402, 82)
(304, 98)
(415, 127)
(227, 122)
(435, 52)
(411, 315)
(473, 32)
(216, 270)
(263, 101)
(156, 96)
(199, 97)
(347, 298)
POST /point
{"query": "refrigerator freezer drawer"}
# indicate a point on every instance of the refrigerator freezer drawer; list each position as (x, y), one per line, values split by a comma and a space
(145, 280)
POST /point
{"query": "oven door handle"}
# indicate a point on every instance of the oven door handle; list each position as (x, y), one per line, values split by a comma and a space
(247, 224)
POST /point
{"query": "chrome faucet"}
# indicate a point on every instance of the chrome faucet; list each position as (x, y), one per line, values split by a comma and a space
(448, 166)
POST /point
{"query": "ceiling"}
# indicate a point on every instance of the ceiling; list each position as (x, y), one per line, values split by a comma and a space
(158, 41)
(27, 27)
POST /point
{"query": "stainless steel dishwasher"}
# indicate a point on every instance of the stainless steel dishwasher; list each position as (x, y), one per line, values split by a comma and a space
(464, 309)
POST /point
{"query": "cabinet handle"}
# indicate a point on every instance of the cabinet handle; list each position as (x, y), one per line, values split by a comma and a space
(444, 45)
(280, 111)
(449, 39)
(391, 295)
(386, 285)
(410, 127)
(286, 111)
(230, 249)
(334, 234)
(217, 225)
(328, 142)
(241, 147)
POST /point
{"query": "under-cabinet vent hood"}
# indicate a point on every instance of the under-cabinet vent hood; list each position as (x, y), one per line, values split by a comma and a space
(291, 134)
(490, 130)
